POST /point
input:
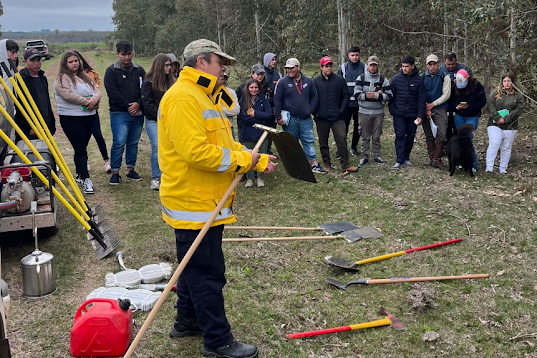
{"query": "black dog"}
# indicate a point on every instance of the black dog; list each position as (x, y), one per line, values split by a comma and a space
(460, 150)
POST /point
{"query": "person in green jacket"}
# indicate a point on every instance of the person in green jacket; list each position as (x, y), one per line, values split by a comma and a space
(505, 105)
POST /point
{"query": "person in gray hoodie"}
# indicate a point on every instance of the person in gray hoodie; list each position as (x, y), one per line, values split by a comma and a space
(272, 76)
(372, 91)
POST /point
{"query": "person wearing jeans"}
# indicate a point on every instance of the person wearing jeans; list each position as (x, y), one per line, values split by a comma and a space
(123, 82)
(296, 94)
(468, 97)
(157, 81)
(505, 105)
(407, 106)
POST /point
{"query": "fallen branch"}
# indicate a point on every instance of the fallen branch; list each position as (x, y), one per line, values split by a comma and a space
(523, 336)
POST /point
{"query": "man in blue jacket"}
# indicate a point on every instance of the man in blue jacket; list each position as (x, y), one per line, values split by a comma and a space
(296, 94)
(123, 82)
(407, 107)
(438, 87)
(333, 99)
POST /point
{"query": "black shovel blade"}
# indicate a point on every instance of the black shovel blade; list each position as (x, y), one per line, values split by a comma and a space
(341, 263)
(293, 157)
(336, 283)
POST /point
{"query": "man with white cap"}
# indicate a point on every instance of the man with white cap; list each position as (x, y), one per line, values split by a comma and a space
(199, 159)
(329, 114)
(296, 94)
(438, 87)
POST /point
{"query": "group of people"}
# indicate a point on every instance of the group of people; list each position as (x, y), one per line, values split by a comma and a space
(133, 96)
(442, 98)
(195, 157)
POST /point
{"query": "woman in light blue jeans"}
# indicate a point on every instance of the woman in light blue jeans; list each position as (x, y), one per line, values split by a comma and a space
(157, 81)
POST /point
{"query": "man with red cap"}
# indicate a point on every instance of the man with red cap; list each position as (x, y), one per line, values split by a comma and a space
(329, 115)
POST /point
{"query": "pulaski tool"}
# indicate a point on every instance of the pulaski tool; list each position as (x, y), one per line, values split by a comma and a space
(389, 320)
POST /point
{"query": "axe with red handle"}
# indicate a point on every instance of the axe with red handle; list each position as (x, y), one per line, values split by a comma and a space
(388, 320)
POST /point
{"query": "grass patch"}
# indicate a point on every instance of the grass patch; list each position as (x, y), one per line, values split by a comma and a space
(276, 288)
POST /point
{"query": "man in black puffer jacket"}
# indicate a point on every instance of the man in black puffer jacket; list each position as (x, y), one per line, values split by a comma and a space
(333, 101)
(407, 107)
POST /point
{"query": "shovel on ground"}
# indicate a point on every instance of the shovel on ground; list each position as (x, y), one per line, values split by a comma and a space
(343, 286)
(348, 266)
(390, 320)
(306, 176)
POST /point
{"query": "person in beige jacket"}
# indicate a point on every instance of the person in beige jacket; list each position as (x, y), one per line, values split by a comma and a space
(78, 98)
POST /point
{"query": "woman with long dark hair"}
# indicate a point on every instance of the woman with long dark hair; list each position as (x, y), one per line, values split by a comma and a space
(468, 97)
(157, 81)
(78, 98)
(97, 133)
(505, 105)
(255, 108)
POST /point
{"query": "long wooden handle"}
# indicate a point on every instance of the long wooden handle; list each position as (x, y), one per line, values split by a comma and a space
(273, 228)
(290, 238)
(433, 245)
(188, 255)
(420, 279)
(378, 323)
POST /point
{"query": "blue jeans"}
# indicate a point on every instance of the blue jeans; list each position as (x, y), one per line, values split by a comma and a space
(126, 132)
(459, 121)
(152, 133)
(302, 129)
(405, 131)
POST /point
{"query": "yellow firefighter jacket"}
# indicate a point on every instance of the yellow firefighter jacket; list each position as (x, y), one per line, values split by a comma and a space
(197, 154)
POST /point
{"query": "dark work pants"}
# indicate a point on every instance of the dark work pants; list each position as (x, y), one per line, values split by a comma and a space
(352, 113)
(405, 131)
(199, 288)
(78, 130)
(98, 135)
(269, 139)
(340, 136)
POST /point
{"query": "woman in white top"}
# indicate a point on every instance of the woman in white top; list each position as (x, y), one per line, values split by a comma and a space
(78, 98)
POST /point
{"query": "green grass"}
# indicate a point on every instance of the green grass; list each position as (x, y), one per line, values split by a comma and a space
(276, 288)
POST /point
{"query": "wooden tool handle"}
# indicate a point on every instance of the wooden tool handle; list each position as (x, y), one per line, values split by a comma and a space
(290, 238)
(272, 228)
(188, 255)
(420, 279)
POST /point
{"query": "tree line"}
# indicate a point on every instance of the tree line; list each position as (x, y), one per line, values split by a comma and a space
(492, 37)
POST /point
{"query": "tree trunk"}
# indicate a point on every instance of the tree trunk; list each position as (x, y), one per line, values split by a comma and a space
(445, 42)
(257, 32)
(512, 43)
(341, 31)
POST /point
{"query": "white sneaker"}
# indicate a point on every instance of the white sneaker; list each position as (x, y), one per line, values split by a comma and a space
(249, 183)
(260, 183)
(88, 186)
(79, 180)
(155, 184)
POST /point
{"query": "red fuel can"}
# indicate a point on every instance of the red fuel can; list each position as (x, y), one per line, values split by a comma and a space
(102, 330)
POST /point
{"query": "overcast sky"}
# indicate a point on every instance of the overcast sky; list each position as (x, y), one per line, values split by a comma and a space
(64, 15)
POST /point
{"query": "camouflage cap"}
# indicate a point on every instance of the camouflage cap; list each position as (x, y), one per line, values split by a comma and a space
(200, 46)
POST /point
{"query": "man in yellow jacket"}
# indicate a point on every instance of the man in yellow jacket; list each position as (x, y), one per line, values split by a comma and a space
(199, 159)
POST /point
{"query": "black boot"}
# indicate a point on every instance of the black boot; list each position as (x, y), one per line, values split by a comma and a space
(234, 349)
(184, 327)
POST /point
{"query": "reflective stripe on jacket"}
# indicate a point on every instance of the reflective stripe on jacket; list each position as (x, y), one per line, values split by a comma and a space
(197, 155)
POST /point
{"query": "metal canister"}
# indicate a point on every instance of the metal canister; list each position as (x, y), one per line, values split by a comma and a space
(38, 274)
